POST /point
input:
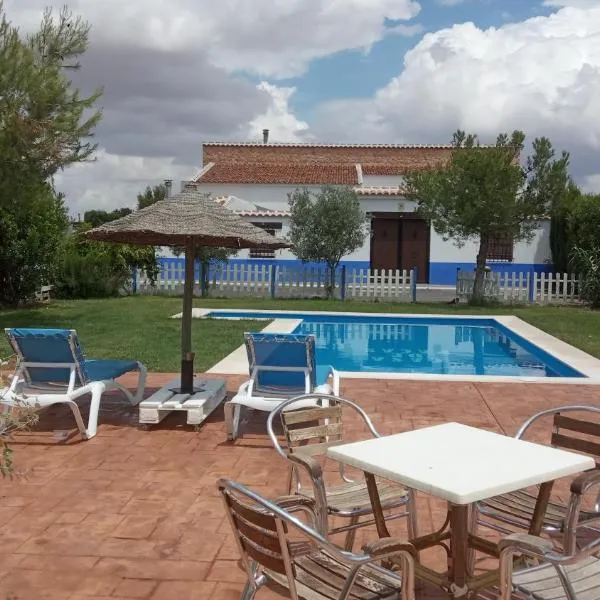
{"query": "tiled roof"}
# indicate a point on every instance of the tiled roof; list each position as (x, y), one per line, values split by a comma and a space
(374, 169)
(282, 174)
(296, 145)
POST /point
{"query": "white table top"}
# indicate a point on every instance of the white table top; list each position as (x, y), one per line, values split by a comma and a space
(459, 463)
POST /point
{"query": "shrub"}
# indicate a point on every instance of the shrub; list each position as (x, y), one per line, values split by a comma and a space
(587, 262)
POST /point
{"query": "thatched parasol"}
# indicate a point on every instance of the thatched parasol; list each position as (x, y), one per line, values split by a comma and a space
(188, 219)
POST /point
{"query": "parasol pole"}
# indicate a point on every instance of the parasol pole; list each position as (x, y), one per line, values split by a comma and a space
(187, 356)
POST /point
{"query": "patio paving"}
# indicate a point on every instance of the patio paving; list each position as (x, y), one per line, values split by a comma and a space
(135, 513)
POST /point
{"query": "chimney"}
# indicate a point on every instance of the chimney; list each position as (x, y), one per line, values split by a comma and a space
(265, 136)
(168, 187)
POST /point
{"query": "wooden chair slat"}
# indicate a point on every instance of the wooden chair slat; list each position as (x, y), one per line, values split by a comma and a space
(258, 536)
(569, 443)
(250, 514)
(571, 424)
(292, 417)
(316, 449)
(268, 561)
(331, 430)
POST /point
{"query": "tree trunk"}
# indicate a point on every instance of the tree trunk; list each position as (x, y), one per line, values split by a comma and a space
(331, 285)
(204, 280)
(478, 285)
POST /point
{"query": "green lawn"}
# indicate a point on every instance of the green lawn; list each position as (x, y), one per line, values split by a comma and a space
(139, 327)
(134, 327)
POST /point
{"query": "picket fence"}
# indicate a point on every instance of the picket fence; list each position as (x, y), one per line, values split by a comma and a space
(542, 288)
(274, 281)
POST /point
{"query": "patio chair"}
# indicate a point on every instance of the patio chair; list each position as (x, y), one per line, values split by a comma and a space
(281, 365)
(573, 574)
(308, 433)
(516, 508)
(277, 547)
(52, 369)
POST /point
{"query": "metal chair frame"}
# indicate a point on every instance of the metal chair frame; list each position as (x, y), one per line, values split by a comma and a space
(303, 456)
(554, 570)
(500, 518)
(263, 528)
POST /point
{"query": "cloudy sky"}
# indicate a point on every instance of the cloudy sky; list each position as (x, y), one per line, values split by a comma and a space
(182, 72)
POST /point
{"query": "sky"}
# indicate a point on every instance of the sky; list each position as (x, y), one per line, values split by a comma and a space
(178, 73)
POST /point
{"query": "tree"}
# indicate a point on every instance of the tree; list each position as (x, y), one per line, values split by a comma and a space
(44, 125)
(151, 195)
(561, 239)
(326, 226)
(95, 218)
(484, 192)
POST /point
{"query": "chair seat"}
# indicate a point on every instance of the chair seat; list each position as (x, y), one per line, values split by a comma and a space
(543, 583)
(320, 577)
(101, 370)
(353, 498)
(520, 505)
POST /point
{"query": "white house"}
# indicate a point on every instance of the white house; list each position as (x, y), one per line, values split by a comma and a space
(255, 179)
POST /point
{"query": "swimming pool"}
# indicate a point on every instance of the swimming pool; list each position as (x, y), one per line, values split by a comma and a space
(422, 345)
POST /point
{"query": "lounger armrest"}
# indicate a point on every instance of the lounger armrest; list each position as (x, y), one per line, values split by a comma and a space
(582, 483)
(335, 381)
(246, 387)
(389, 546)
(294, 501)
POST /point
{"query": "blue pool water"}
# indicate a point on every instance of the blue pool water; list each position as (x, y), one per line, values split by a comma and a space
(460, 346)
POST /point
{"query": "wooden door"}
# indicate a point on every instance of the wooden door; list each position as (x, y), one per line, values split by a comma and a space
(415, 247)
(385, 244)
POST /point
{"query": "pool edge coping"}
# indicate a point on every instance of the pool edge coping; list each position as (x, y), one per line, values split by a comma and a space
(236, 363)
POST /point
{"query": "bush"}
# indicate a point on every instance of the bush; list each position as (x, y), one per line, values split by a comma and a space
(88, 276)
(587, 262)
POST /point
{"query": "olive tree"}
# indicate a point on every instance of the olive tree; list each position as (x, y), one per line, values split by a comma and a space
(326, 226)
(484, 192)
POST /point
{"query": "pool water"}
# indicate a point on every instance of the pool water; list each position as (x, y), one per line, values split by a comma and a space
(460, 346)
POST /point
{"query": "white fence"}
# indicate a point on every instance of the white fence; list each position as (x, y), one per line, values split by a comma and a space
(264, 281)
(542, 288)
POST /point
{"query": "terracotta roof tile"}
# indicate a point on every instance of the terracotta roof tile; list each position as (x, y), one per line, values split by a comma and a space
(282, 174)
(297, 145)
(374, 169)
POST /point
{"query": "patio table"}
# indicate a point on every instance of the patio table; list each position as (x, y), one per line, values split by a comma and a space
(461, 465)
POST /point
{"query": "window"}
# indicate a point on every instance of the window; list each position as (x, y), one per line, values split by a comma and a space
(501, 248)
(271, 228)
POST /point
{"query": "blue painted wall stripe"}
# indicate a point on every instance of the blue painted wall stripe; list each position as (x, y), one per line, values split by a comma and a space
(440, 273)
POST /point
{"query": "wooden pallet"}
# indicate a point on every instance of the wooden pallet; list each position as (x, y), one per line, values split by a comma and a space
(208, 395)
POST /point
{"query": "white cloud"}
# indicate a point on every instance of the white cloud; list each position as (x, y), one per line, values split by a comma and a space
(573, 3)
(541, 75)
(274, 38)
(282, 124)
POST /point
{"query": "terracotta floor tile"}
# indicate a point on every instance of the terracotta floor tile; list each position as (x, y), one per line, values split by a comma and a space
(136, 514)
(184, 590)
(135, 527)
(152, 569)
(136, 588)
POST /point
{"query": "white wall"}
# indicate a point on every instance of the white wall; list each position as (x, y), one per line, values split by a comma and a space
(382, 180)
(536, 251)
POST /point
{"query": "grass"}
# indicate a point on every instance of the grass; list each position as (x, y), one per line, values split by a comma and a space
(134, 327)
(139, 327)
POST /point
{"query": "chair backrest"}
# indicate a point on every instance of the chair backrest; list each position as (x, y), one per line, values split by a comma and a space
(576, 434)
(261, 530)
(571, 433)
(48, 347)
(314, 429)
(279, 362)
